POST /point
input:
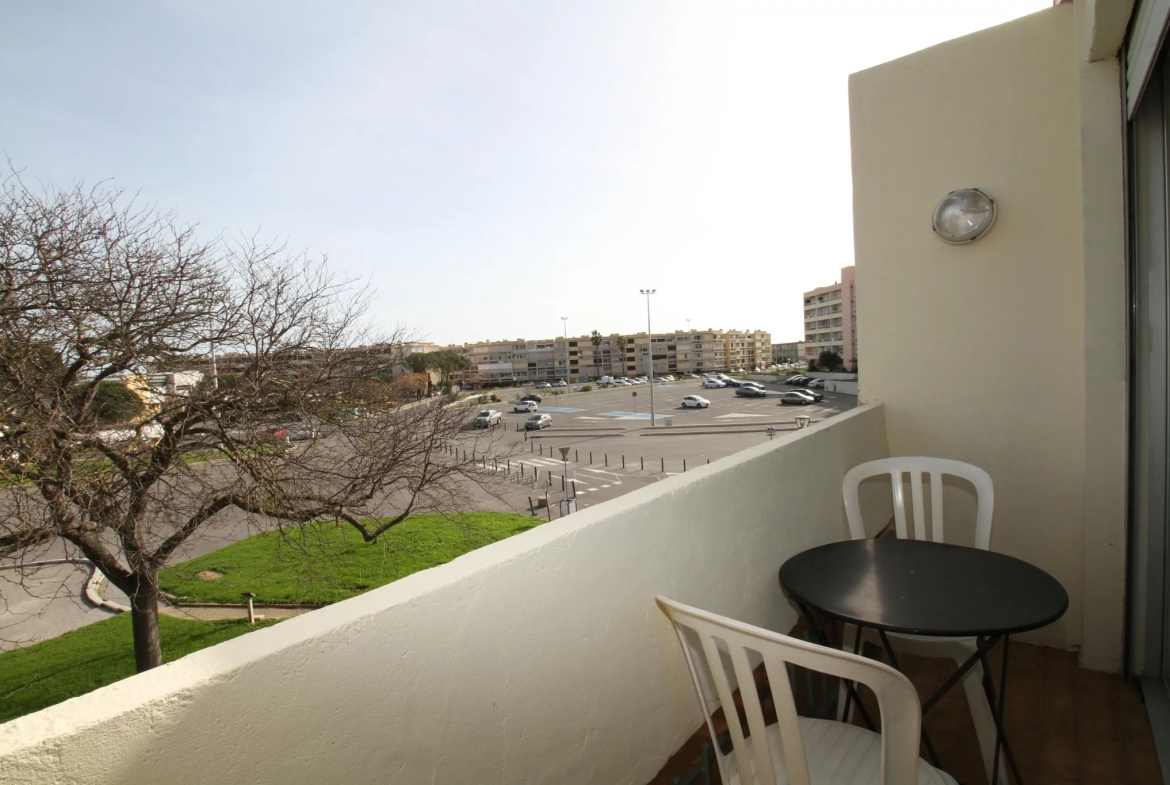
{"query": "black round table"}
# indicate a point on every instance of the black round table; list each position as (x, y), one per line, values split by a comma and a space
(925, 588)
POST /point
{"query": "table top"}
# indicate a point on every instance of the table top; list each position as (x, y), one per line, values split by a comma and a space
(924, 588)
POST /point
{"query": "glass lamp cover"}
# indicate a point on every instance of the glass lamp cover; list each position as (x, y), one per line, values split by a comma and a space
(964, 215)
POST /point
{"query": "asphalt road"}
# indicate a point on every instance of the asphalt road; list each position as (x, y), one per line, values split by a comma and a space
(614, 449)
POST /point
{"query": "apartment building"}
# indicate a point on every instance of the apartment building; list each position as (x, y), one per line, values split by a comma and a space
(830, 319)
(577, 358)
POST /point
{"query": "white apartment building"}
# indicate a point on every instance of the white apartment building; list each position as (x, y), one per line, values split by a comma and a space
(830, 319)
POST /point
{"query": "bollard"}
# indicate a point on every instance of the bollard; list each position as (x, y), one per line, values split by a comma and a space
(663, 466)
(684, 465)
(509, 467)
(576, 456)
(708, 461)
(643, 460)
(531, 445)
(542, 449)
(574, 489)
(591, 457)
(562, 483)
(623, 461)
(607, 459)
(251, 610)
(531, 508)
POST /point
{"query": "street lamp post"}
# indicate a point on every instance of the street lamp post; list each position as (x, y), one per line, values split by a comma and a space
(568, 374)
(650, 339)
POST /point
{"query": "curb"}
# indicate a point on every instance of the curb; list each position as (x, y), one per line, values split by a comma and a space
(704, 433)
(564, 434)
(92, 584)
(92, 592)
(237, 606)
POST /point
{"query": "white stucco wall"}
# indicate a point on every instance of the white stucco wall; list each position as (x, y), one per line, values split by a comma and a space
(1004, 328)
(539, 659)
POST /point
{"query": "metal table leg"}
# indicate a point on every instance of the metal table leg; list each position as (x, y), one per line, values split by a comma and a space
(997, 708)
(824, 641)
(925, 736)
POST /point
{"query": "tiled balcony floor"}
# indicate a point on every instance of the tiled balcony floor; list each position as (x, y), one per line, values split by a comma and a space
(1067, 726)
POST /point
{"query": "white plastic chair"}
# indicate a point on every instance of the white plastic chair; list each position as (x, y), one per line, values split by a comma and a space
(912, 523)
(799, 750)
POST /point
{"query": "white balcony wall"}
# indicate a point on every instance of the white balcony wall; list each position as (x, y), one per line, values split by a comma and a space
(1012, 110)
(539, 659)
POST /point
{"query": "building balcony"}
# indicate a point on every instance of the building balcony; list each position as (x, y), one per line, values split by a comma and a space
(542, 658)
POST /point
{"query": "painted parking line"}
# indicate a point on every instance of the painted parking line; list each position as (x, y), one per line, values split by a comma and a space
(560, 409)
(634, 415)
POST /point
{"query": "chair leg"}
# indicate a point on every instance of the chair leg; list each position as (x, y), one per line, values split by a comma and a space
(983, 719)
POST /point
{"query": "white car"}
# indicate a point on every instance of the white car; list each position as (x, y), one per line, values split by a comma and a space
(817, 383)
(543, 385)
(560, 383)
(525, 406)
(695, 401)
(713, 384)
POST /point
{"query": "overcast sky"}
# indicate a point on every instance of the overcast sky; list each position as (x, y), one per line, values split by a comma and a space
(489, 166)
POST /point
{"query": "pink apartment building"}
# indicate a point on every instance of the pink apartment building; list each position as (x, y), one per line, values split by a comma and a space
(830, 319)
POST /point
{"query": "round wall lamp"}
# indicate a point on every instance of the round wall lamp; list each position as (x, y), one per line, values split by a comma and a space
(963, 216)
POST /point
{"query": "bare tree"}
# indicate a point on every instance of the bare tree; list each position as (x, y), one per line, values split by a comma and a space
(95, 289)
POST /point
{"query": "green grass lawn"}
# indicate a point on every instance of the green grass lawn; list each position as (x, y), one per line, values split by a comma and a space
(90, 657)
(323, 563)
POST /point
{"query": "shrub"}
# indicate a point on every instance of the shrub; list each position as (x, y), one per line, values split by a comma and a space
(115, 403)
(587, 388)
(495, 398)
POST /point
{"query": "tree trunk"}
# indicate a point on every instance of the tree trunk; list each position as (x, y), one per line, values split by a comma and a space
(144, 619)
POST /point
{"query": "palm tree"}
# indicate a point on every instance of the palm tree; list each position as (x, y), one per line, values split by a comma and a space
(595, 339)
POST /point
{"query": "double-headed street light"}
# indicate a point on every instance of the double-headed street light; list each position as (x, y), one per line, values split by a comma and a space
(650, 340)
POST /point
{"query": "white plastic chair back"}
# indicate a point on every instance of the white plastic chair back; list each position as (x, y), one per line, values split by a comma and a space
(917, 467)
(897, 699)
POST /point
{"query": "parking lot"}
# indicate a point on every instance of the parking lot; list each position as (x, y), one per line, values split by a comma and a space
(613, 449)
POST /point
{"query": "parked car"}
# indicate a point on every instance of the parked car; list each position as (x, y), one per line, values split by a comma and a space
(813, 394)
(560, 383)
(713, 384)
(795, 379)
(533, 397)
(528, 384)
(818, 383)
(751, 391)
(538, 421)
(525, 406)
(750, 383)
(732, 382)
(695, 402)
(543, 385)
(488, 418)
(795, 398)
(660, 380)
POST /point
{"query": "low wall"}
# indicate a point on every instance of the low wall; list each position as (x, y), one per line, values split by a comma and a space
(847, 388)
(539, 659)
